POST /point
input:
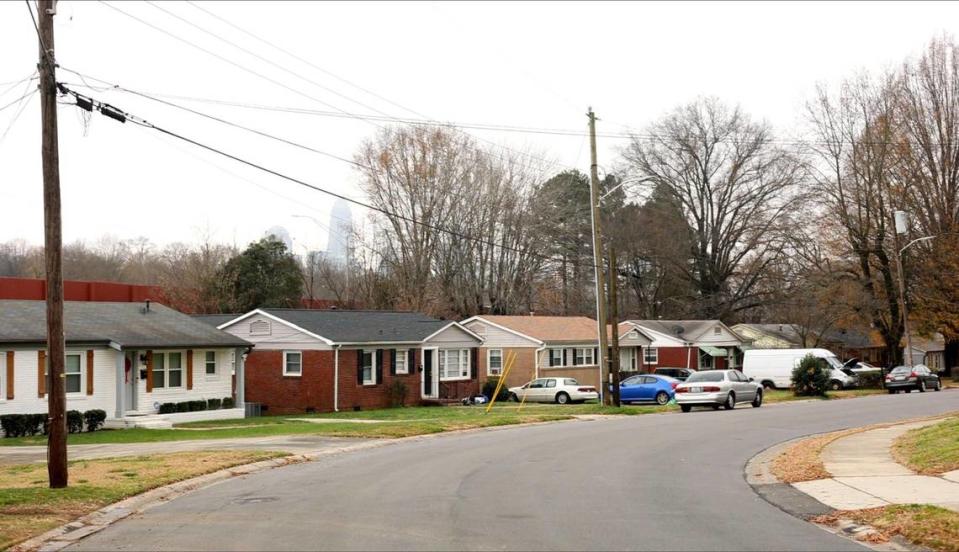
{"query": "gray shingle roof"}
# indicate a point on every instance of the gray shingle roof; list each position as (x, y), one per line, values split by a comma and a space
(682, 329)
(787, 332)
(127, 324)
(356, 326)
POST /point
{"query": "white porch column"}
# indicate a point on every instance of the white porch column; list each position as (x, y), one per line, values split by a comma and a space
(120, 383)
(240, 384)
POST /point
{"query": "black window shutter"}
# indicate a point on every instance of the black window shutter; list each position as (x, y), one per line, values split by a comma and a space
(473, 370)
(565, 357)
(411, 365)
(359, 366)
(596, 355)
(550, 353)
(573, 351)
(379, 366)
(392, 362)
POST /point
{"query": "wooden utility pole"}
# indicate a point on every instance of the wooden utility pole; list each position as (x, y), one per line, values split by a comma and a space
(614, 324)
(598, 261)
(53, 249)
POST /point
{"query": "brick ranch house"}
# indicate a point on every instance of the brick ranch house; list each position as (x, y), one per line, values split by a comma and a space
(331, 360)
(697, 344)
(547, 346)
(123, 358)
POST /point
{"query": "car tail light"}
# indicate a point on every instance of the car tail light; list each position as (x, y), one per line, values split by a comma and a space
(711, 389)
(913, 375)
(682, 390)
(587, 389)
(889, 377)
(674, 385)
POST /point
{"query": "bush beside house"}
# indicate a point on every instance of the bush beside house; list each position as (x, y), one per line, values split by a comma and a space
(195, 406)
(811, 377)
(24, 425)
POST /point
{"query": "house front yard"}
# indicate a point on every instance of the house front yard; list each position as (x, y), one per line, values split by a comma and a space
(384, 423)
(29, 508)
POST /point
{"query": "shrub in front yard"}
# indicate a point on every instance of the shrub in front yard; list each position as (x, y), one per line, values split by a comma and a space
(167, 408)
(183, 406)
(397, 391)
(37, 423)
(214, 404)
(13, 425)
(870, 380)
(489, 387)
(94, 419)
(74, 421)
(811, 377)
(196, 406)
(228, 402)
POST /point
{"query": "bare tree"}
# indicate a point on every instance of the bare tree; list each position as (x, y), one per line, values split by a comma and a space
(736, 189)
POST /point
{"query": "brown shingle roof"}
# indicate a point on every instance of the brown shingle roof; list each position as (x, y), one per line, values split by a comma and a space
(549, 328)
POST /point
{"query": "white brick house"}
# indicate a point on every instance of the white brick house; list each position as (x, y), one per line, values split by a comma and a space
(123, 358)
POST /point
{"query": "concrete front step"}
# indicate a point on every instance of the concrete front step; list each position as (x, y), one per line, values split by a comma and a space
(151, 421)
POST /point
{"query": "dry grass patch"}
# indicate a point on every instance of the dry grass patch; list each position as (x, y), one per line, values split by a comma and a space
(801, 461)
(930, 450)
(29, 508)
(921, 524)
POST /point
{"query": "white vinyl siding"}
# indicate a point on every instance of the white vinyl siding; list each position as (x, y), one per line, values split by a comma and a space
(494, 362)
(292, 363)
(454, 364)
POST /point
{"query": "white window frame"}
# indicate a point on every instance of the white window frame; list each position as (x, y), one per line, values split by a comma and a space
(83, 375)
(576, 355)
(647, 359)
(404, 355)
(206, 365)
(372, 380)
(489, 364)
(166, 370)
(443, 356)
(562, 355)
(286, 372)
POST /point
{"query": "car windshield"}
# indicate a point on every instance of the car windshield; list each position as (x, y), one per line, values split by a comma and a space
(705, 376)
(834, 362)
(901, 370)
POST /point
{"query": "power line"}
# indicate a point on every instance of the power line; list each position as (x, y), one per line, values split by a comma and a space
(123, 116)
(546, 162)
(18, 99)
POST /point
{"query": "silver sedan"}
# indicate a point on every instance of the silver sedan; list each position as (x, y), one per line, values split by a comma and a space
(717, 388)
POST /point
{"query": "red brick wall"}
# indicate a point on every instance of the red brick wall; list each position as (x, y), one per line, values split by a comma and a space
(313, 389)
(673, 357)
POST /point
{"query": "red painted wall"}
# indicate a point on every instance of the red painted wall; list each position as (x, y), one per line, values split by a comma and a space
(674, 357)
(73, 290)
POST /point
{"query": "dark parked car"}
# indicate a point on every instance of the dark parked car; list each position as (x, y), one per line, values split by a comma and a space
(677, 373)
(919, 377)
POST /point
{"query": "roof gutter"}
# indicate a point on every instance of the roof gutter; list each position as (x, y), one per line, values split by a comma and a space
(536, 361)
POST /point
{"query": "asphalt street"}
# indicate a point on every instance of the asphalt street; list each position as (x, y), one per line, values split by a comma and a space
(654, 482)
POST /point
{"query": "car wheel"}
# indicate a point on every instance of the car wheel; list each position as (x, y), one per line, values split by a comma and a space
(938, 385)
(835, 385)
(730, 401)
(562, 398)
(662, 398)
(921, 386)
(892, 391)
(768, 385)
(758, 400)
(685, 407)
(908, 390)
(513, 397)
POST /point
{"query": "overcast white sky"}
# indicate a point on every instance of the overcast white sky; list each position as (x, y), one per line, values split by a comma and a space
(529, 64)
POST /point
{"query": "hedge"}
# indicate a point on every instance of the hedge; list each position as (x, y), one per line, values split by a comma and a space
(25, 425)
(195, 406)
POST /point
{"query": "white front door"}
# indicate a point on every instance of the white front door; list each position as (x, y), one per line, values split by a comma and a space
(429, 375)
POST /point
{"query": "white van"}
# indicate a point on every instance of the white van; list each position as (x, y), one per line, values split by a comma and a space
(774, 367)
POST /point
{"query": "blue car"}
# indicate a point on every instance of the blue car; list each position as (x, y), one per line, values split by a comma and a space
(647, 388)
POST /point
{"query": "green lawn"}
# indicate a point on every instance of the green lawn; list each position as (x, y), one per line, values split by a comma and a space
(391, 422)
(784, 395)
(928, 526)
(930, 450)
(29, 508)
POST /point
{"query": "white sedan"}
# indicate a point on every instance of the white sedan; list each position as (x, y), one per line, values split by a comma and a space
(718, 388)
(557, 390)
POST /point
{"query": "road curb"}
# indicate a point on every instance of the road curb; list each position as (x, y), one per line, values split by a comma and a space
(758, 475)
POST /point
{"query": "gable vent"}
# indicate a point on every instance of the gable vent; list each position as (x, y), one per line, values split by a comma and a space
(260, 327)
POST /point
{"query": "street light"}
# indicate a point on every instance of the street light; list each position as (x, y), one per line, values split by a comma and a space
(902, 228)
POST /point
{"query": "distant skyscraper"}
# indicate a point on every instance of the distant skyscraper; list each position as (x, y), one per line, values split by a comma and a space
(281, 234)
(341, 230)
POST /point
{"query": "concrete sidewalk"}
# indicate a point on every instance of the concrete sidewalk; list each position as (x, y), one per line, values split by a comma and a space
(865, 475)
(294, 444)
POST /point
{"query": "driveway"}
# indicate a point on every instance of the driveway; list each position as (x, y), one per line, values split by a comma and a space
(671, 482)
